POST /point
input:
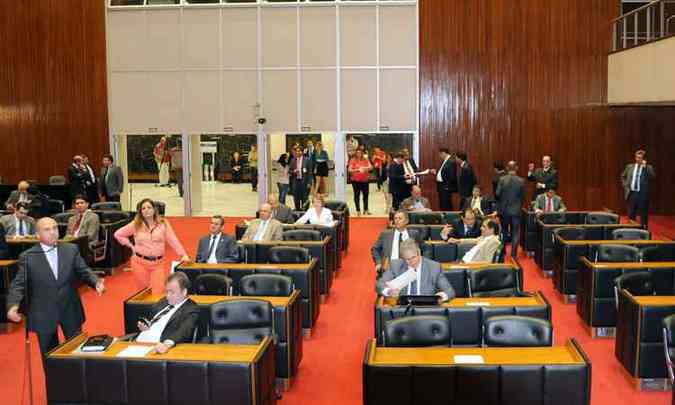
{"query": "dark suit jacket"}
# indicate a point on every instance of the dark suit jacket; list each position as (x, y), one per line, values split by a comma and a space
(449, 176)
(647, 176)
(382, 247)
(77, 179)
(460, 230)
(4, 247)
(486, 204)
(180, 327)
(432, 280)
(14, 197)
(226, 251)
(51, 301)
(510, 194)
(549, 177)
(284, 214)
(466, 180)
(396, 176)
(113, 185)
(306, 170)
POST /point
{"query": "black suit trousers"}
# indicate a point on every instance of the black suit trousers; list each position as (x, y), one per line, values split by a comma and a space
(444, 198)
(299, 193)
(511, 230)
(49, 341)
(638, 204)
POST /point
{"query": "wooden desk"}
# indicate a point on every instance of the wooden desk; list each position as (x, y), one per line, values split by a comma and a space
(237, 374)
(536, 300)
(411, 375)
(19, 245)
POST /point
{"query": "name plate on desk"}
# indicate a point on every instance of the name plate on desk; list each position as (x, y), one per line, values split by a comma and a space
(468, 359)
(477, 304)
(134, 351)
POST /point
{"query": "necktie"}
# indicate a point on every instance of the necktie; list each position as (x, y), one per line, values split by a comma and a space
(211, 246)
(400, 239)
(53, 260)
(161, 313)
(412, 287)
(549, 204)
(21, 228)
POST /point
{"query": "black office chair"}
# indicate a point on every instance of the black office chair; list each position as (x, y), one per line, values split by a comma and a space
(269, 285)
(669, 344)
(635, 282)
(493, 282)
(617, 253)
(555, 218)
(517, 331)
(241, 321)
(335, 205)
(571, 233)
(601, 218)
(107, 206)
(301, 235)
(658, 253)
(57, 180)
(108, 217)
(418, 331)
(288, 254)
(500, 254)
(631, 234)
(425, 218)
(161, 207)
(212, 284)
(63, 217)
(55, 206)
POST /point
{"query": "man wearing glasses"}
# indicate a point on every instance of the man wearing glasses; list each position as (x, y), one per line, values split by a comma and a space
(414, 275)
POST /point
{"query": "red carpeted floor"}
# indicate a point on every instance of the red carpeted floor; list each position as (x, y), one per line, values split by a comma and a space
(330, 372)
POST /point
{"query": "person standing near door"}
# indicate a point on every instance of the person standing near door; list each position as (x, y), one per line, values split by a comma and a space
(253, 167)
(162, 159)
(177, 167)
(636, 180)
(300, 176)
(112, 180)
(321, 169)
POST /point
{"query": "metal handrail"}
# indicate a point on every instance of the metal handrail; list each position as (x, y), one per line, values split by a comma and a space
(637, 10)
(647, 23)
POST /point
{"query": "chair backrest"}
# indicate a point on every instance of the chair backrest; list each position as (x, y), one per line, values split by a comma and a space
(636, 282)
(108, 217)
(57, 180)
(631, 234)
(212, 284)
(658, 253)
(161, 207)
(425, 218)
(601, 218)
(107, 206)
(493, 282)
(55, 206)
(301, 234)
(572, 233)
(553, 218)
(335, 205)
(418, 331)
(288, 254)
(668, 343)
(270, 285)
(241, 321)
(63, 217)
(517, 331)
(617, 253)
(500, 254)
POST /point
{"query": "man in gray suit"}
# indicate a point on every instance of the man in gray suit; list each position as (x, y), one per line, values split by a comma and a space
(217, 247)
(112, 180)
(548, 202)
(18, 224)
(21, 194)
(636, 180)
(510, 194)
(280, 212)
(387, 246)
(428, 278)
(300, 174)
(85, 222)
(52, 270)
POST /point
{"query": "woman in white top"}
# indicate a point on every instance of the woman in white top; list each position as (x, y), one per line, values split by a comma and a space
(317, 214)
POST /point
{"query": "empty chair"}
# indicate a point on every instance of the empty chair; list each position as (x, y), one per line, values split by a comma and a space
(635, 282)
(161, 207)
(601, 218)
(617, 253)
(668, 343)
(288, 254)
(658, 253)
(425, 218)
(302, 234)
(107, 206)
(631, 234)
(418, 331)
(108, 217)
(335, 205)
(241, 321)
(270, 285)
(553, 218)
(55, 206)
(57, 180)
(212, 284)
(493, 282)
(571, 233)
(517, 331)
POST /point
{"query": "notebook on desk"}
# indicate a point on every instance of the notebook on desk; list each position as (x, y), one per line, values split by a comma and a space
(418, 300)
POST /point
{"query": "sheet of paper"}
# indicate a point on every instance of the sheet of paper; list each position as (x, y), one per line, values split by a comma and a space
(422, 173)
(403, 280)
(469, 359)
(135, 351)
(477, 304)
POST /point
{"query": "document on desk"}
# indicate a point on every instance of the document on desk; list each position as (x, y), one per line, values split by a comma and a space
(135, 351)
(477, 304)
(468, 359)
(403, 280)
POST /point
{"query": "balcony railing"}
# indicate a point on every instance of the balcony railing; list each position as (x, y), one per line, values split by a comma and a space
(648, 23)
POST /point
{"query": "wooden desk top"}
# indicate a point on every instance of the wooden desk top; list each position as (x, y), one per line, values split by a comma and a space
(627, 265)
(444, 356)
(182, 351)
(321, 242)
(247, 266)
(540, 222)
(476, 266)
(7, 263)
(535, 301)
(613, 242)
(30, 239)
(146, 297)
(655, 300)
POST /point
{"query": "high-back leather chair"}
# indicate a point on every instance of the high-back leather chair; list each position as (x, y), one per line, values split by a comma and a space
(517, 331)
(500, 254)
(418, 331)
(601, 218)
(571, 233)
(335, 205)
(669, 344)
(617, 253)
(635, 282)
(656, 253)
(63, 217)
(108, 217)
(161, 207)
(107, 206)
(631, 234)
(55, 206)
(269, 285)
(212, 284)
(425, 218)
(496, 282)
(288, 254)
(301, 234)
(242, 321)
(57, 180)
(553, 218)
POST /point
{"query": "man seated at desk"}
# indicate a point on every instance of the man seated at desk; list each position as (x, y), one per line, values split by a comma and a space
(85, 222)
(548, 202)
(21, 194)
(264, 228)
(386, 248)
(217, 247)
(416, 203)
(18, 224)
(174, 316)
(468, 227)
(486, 245)
(479, 204)
(280, 212)
(426, 279)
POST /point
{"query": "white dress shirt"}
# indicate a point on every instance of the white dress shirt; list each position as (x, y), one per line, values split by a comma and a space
(439, 177)
(325, 218)
(475, 204)
(153, 334)
(52, 255)
(635, 181)
(212, 258)
(394, 243)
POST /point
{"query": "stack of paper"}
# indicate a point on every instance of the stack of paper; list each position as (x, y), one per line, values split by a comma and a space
(403, 280)
(135, 351)
(468, 359)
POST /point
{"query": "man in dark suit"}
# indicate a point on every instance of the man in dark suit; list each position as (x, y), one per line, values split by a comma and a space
(466, 176)
(545, 177)
(21, 194)
(18, 224)
(468, 227)
(112, 180)
(47, 284)
(386, 248)
(636, 180)
(217, 247)
(174, 316)
(510, 194)
(397, 185)
(91, 181)
(300, 173)
(280, 212)
(446, 180)
(77, 177)
(480, 204)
